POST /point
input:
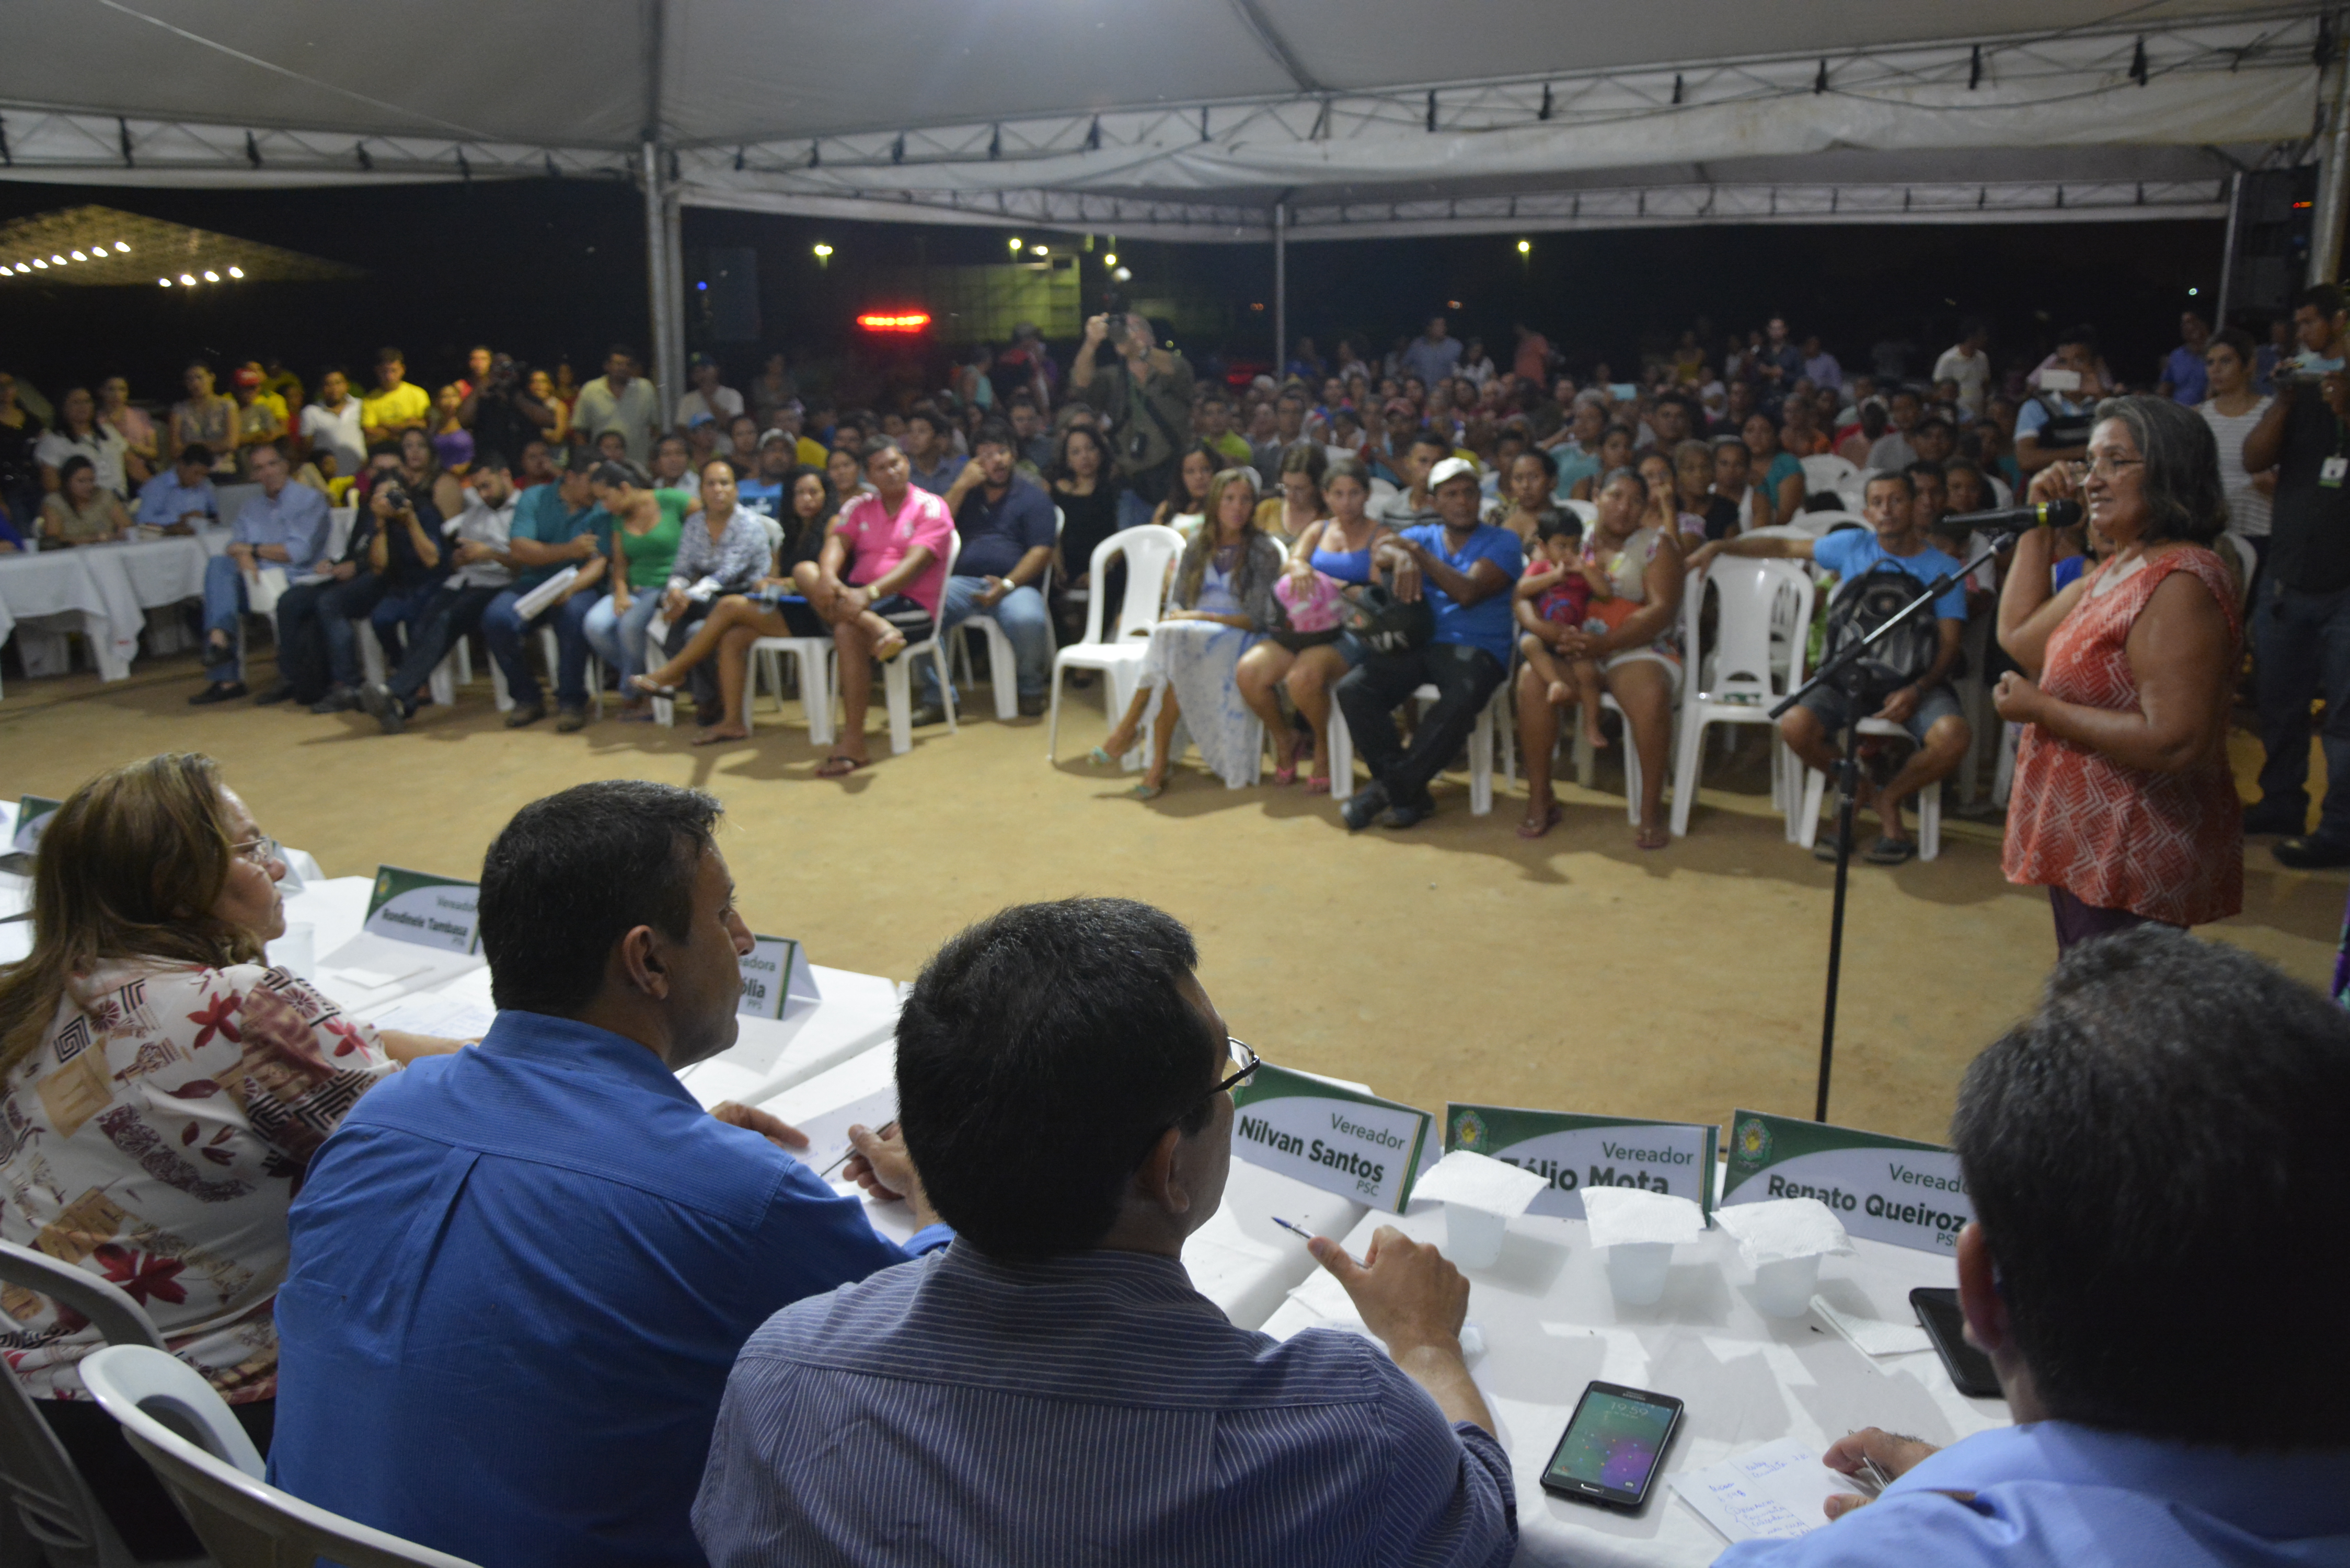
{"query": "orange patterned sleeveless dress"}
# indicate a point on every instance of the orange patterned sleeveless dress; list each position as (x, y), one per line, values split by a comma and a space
(2168, 846)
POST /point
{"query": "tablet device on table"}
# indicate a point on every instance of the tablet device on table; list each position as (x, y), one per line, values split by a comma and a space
(1613, 1447)
(1946, 1325)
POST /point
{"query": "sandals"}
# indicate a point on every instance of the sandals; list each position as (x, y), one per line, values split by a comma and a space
(1319, 785)
(1641, 838)
(890, 647)
(1146, 791)
(836, 766)
(650, 687)
(1530, 828)
(1891, 852)
(1099, 758)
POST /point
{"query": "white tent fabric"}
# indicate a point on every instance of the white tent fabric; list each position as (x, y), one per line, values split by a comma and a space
(1192, 117)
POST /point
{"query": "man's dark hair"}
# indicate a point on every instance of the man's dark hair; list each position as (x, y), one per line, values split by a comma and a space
(1890, 476)
(1936, 422)
(994, 432)
(876, 446)
(621, 350)
(2237, 341)
(2156, 1159)
(390, 356)
(2085, 334)
(1429, 435)
(198, 453)
(1681, 400)
(939, 422)
(573, 873)
(1924, 468)
(2324, 299)
(492, 462)
(1041, 1053)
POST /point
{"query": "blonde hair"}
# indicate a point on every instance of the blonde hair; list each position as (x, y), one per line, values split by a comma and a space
(131, 866)
(1195, 565)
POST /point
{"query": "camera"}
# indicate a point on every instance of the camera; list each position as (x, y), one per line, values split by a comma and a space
(1116, 306)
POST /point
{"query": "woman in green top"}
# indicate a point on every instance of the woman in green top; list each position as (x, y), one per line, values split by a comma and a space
(644, 544)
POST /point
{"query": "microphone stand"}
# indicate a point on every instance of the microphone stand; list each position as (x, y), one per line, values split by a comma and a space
(1860, 691)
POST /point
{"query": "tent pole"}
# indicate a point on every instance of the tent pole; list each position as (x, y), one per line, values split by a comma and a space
(2332, 175)
(2228, 248)
(662, 268)
(1280, 289)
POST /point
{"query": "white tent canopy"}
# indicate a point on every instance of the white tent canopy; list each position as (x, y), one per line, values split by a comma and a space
(1209, 119)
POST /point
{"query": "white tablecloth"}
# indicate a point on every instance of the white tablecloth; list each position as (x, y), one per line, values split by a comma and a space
(103, 590)
(1550, 1325)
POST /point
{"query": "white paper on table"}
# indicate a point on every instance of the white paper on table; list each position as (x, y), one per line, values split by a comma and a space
(828, 1131)
(1479, 1181)
(370, 979)
(1781, 1228)
(1873, 1336)
(1326, 1299)
(1775, 1492)
(449, 1017)
(1621, 1215)
(1214, 1256)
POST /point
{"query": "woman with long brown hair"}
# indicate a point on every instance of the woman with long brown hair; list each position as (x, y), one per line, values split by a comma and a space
(163, 1089)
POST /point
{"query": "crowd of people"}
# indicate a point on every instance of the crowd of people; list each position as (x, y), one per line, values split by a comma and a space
(1355, 529)
(523, 1302)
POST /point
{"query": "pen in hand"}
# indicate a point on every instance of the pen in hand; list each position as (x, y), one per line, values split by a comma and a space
(887, 1128)
(1302, 1231)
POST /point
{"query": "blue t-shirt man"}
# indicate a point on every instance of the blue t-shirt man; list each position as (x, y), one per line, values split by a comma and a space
(1487, 624)
(1849, 552)
(997, 533)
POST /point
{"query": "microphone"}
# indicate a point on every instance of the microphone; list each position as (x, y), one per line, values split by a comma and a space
(2016, 519)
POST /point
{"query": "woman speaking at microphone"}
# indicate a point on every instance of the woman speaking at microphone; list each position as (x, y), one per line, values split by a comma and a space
(2123, 805)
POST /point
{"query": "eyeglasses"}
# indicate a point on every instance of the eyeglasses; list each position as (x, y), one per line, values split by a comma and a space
(1243, 1063)
(260, 851)
(2107, 466)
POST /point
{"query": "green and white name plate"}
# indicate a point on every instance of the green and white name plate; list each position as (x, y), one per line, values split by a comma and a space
(775, 975)
(430, 911)
(1573, 1152)
(1329, 1136)
(1886, 1189)
(33, 813)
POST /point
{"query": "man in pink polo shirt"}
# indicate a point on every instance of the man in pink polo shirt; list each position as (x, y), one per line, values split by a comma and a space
(877, 584)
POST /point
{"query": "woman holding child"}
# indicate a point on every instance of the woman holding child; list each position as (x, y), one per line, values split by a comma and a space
(1632, 646)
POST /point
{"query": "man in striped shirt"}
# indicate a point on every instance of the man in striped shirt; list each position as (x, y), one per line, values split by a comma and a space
(1050, 1386)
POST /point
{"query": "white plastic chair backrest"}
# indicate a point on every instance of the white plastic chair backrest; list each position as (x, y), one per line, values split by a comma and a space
(1381, 490)
(2245, 559)
(1586, 509)
(1827, 471)
(2002, 493)
(186, 1433)
(340, 520)
(1814, 523)
(46, 1499)
(1149, 551)
(775, 537)
(1748, 594)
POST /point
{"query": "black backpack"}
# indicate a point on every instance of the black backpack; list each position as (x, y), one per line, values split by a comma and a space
(1862, 604)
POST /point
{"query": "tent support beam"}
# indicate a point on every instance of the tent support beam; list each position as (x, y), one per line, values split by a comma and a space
(2332, 174)
(1280, 289)
(664, 279)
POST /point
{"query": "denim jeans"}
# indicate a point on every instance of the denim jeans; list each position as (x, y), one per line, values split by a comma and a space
(503, 629)
(452, 613)
(1022, 615)
(2302, 643)
(619, 639)
(340, 607)
(395, 615)
(223, 602)
(1133, 511)
(1368, 695)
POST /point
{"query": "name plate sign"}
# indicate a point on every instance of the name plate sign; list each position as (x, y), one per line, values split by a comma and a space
(1573, 1152)
(1886, 1189)
(1329, 1136)
(427, 910)
(33, 813)
(775, 975)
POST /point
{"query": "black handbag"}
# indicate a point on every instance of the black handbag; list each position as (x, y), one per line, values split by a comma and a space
(1387, 624)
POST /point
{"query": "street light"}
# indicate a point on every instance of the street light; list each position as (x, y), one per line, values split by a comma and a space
(823, 255)
(236, 271)
(1110, 260)
(1525, 247)
(1015, 243)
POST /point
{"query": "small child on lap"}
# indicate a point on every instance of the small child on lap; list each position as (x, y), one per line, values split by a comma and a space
(1558, 590)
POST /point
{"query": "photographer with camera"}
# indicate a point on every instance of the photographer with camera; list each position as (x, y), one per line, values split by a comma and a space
(500, 410)
(1143, 394)
(1925, 705)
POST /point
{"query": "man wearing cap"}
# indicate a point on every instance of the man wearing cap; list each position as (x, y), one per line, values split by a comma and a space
(707, 397)
(1465, 570)
(762, 491)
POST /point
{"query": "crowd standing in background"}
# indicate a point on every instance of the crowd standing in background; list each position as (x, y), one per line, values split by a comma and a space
(658, 537)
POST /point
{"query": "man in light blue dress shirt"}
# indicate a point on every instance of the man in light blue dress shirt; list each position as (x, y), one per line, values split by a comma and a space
(517, 1285)
(285, 526)
(181, 497)
(2157, 1272)
(1050, 1388)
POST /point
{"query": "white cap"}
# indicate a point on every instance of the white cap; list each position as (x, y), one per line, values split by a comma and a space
(1452, 468)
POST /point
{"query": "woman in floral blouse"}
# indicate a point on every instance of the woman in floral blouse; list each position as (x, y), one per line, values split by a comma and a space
(162, 1092)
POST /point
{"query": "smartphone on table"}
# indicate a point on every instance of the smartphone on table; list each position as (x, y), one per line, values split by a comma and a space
(1614, 1447)
(1938, 1312)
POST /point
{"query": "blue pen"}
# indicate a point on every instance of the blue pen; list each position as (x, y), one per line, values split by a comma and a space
(1302, 1231)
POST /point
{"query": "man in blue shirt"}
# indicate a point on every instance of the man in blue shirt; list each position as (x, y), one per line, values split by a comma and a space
(1926, 706)
(283, 527)
(1050, 1388)
(181, 497)
(1465, 569)
(762, 493)
(2156, 1165)
(2185, 378)
(518, 1280)
(1007, 528)
(554, 525)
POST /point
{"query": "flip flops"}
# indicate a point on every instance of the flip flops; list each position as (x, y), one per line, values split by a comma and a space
(839, 767)
(1530, 828)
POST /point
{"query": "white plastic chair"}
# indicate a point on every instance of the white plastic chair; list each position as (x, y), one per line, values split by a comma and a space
(185, 1433)
(897, 674)
(1492, 733)
(1000, 658)
(1929, 800)
(49, 1513)
(1588, 511)
(2246, 559)
(1826, 471)
(1149, 551)
(814, 657)
(1748, 668)
(441, 684)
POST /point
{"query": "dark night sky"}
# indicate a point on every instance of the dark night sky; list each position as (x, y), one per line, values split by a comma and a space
(551, 269)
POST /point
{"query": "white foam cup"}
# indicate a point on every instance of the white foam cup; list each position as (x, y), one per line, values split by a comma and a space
(297, 950)
(1784, 1288)
(1637, 1271)
(1473, 1237)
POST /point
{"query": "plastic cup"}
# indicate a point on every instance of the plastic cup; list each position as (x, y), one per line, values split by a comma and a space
(1473, 1237)
(297, 950)
(1784, 1288)
(1637, 1271)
